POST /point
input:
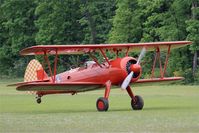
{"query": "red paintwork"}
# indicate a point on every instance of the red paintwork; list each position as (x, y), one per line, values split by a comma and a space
(108, 89)
(45, 86)
(86, 48)
(100, 105)
(153, 67)
(115, 73)
(130, 93)
(166, 60)
(41, 74)
(157, 55)
(106, 75)
(29, 82)
(135, 68)
(141, 81)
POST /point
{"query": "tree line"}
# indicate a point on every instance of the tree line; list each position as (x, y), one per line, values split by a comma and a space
(25, 23)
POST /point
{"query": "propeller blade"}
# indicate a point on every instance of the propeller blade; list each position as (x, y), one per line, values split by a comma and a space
(126, 81)
(142, 53)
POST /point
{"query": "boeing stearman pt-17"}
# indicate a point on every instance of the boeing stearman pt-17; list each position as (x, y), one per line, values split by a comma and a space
(121, 71)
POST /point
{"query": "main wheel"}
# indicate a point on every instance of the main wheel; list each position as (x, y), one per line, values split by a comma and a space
(102, 104)
(38, 100)
(138, 103)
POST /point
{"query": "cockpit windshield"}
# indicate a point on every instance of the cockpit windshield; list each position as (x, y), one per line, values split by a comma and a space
(89, 64)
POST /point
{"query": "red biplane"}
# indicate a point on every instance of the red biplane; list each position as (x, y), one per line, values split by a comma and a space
(119, 72)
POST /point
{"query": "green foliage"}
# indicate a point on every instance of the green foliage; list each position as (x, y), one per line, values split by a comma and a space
(95, 21)
(197, 78)
(193, 30)
(57, 22)
(126, 24)
(18, 31)
(25, 23)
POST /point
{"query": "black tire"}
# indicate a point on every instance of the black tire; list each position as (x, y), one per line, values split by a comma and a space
(138, 104)
(38, 100)
(102, 104)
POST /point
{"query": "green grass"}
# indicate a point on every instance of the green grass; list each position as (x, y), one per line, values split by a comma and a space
(166, 109)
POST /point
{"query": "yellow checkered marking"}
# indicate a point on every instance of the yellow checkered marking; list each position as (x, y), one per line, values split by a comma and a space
(31, 72)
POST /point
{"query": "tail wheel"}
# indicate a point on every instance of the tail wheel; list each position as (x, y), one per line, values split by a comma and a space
(38, 100)
(102, 104)
(137, 103)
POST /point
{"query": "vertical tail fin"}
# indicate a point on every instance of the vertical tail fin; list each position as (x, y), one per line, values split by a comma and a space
(34, 71)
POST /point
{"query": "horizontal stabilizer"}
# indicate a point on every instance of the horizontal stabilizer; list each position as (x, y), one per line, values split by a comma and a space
(24, 83)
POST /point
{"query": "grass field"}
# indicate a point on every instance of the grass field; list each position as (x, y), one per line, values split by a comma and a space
(166, 109)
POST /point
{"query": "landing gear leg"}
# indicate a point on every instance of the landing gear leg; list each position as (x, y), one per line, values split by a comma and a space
(38, 99)
(102, 103)
(137, 102)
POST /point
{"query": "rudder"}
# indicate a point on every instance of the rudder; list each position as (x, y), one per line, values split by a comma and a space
(34, 71)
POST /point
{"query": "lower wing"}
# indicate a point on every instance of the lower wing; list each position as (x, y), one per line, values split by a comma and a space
(153, 81)
(49, 86)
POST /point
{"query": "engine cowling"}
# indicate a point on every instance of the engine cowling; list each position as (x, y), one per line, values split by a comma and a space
(128, 64)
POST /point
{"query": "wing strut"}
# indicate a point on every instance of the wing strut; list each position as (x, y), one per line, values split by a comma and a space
(55, 66)
(104, 55)
(46, 60)
(157, 55)
(127, 51)
(160, 63)
(167, 58)
(94, 58)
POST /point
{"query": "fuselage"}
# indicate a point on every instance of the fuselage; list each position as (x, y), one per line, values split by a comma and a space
(115, 72)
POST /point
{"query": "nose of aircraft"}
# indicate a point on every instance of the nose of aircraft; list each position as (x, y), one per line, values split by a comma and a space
(135, 68)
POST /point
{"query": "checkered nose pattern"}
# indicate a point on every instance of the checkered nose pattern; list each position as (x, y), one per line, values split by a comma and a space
(31, 72)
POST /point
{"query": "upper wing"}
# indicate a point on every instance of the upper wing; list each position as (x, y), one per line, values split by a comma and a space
(48, 86)
(81, 49)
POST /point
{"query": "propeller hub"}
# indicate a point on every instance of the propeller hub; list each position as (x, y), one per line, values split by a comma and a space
(135, 68)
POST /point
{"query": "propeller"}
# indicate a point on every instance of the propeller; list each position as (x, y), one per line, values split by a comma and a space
(134, 68)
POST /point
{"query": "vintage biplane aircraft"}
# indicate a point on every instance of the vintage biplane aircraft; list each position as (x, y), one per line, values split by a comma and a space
(121, 71)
